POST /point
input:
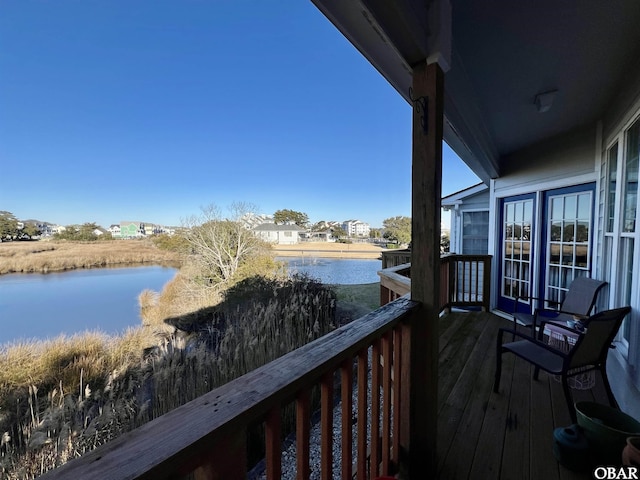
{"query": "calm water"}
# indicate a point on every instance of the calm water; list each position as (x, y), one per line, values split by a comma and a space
(46, 305)
(335, 271)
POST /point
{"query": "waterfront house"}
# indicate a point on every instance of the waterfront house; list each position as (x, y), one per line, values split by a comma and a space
(114, 230)
(319, 236)
(279, 234)
(542, 101)
(129, 229)
(469, 229)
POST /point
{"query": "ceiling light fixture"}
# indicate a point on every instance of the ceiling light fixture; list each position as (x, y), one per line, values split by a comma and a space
(544, 100)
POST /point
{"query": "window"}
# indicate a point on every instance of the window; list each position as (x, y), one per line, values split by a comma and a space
(475, 233)
(612, 170)
(621, 235)
(630, 195)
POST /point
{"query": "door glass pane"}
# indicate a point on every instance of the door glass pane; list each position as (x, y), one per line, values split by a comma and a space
(584, 206)
(570, 203)
(568, 241)
(582, 231)
(567, 231)
(556, 208)
(631, 178)
(528, 212)
(516, 248)
(510, 215)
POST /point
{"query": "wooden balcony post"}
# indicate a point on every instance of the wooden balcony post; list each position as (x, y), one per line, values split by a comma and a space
(221, 463)
(486, 284)
(420, 337)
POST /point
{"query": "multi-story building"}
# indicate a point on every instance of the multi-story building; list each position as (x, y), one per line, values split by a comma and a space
(356, 228)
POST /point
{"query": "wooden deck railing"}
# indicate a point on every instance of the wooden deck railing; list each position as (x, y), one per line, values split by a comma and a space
(394, 258)
(207, 437)
(465, 280)
(394, 282)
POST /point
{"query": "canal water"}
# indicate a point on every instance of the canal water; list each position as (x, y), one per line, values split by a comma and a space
(335, 271)
(39, 306)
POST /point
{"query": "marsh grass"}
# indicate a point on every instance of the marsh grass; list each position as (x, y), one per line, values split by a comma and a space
(366, 295)
(63, 397)
(50, 256)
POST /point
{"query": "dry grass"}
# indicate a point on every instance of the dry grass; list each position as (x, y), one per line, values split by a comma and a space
(62, 397)
(54, 393)
(50, 256)
(65, 359)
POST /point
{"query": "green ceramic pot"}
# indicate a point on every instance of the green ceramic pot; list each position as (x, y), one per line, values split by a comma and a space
(606, 429)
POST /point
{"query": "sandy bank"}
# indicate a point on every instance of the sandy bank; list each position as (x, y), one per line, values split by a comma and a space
(329, 250)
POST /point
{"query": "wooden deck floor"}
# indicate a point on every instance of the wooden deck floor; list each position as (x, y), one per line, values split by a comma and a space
(508, 435)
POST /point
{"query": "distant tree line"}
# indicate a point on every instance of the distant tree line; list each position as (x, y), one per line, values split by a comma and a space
(10, 228)
(87, 232)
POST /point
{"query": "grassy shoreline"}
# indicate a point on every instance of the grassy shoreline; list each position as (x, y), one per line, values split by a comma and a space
(54, 256)
(329, 250)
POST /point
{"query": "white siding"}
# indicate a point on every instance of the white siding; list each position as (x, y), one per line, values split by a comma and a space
(560, 162)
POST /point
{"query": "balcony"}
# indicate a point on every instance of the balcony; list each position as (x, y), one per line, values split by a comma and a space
(359, 371)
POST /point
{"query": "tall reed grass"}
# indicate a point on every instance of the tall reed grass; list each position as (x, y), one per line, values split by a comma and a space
(61, 398)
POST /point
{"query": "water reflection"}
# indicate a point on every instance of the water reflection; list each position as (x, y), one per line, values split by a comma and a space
(335, 271)
(46, 305)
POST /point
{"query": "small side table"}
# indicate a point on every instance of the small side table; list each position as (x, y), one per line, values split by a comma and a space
(565, 340)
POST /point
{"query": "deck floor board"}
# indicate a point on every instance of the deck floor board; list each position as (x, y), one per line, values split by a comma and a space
(505, 435)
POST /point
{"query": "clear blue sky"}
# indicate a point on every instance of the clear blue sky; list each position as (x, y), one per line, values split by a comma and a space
(150, 109)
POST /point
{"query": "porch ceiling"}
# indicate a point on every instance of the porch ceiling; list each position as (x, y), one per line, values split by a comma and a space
(503, 54)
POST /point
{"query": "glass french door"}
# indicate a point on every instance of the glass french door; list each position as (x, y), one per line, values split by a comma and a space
(567, 235)
(517, 234)
(565, 249)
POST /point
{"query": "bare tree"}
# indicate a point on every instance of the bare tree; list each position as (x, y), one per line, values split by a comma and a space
(221, 245)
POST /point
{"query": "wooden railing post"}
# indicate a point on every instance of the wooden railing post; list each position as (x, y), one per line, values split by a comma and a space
(486, 284)
(273, 444)
(223, 463)
(453, 281)
(303, 429)
(385, 295)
